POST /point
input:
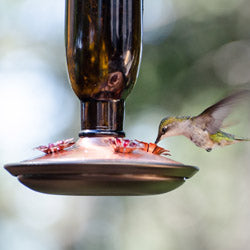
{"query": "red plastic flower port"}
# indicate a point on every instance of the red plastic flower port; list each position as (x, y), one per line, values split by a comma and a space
(127, 146)
(57, 146)
(119, 145)
(154, 149)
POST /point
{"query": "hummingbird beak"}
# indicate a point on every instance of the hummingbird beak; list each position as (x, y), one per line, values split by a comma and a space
(160, 134)
(158, 139)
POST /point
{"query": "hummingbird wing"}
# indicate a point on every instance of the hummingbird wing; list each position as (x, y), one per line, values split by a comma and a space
(212, 118)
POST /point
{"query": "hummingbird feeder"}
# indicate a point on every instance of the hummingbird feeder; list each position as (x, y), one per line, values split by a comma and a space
(103, 49)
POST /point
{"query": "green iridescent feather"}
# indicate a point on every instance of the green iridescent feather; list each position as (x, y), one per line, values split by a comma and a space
(220, 136)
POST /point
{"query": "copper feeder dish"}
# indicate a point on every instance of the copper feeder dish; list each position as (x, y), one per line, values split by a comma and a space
(92, 167)
(103, 50)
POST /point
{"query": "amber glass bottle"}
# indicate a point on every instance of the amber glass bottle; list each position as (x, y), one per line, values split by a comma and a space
(103, 49)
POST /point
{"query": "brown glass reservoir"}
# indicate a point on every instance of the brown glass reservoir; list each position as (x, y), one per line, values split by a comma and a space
(103, 47)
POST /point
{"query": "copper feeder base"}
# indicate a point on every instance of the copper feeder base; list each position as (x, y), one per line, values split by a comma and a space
(92, 167)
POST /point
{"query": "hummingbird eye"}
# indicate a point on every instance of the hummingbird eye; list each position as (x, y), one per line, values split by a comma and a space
(164, 130)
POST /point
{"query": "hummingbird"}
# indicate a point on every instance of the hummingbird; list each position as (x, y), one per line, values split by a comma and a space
(204, 129)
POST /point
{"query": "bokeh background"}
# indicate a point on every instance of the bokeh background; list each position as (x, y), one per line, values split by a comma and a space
(195, 52)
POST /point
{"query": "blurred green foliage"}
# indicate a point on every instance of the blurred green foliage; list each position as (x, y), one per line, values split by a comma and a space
(181, 66)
